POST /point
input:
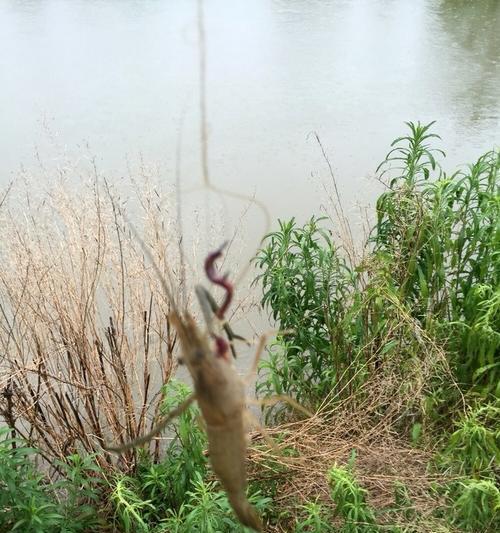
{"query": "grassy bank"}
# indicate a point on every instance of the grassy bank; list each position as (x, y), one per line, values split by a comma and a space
(396, 350)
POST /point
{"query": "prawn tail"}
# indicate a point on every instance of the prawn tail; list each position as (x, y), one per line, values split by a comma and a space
(245, 512)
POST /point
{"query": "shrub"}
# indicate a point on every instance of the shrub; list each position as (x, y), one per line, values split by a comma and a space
(474, 447)
(305, 285)
(29, 503)
(444, 236)
(350, 501)
(476, 506)
(430, 279)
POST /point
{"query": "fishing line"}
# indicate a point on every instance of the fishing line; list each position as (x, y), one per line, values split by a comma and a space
(207, 182)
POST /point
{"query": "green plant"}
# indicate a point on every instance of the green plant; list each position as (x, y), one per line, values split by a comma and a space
(207, 510)
(80, 490)
(29, 503)
(476, 506)
(313, 518)
(184, 459)
(158, 488)
(130, 508)
(474, 447)
(174, 522)
(23, 503)
(341, 327)
(444, 235)
(350, 501)
(305, 285)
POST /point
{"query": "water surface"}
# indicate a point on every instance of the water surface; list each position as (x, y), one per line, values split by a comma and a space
(122, 75)
(118, 79)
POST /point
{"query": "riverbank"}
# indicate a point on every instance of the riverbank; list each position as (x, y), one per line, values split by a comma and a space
(395, 350)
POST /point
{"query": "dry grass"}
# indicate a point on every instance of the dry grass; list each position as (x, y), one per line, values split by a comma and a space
(310, 448)
(371, 423)
(85, 338)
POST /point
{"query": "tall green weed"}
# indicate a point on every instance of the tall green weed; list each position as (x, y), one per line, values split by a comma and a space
(444, 234)
(350, 501)
(305, 285)
(474, 447)
(476, 506)
(29, 503)
(430, 280)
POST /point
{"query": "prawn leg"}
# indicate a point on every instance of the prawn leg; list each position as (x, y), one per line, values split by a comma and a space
(139, 441)
(273, 400)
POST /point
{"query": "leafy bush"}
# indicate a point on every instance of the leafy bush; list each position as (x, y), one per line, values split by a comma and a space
(431, 279)
(30, 504)
(476, 506)
(306, 285)
(350, 501)
(339, 327)
(474, 448)
(24, 504)
(443, 234)
(80, 490)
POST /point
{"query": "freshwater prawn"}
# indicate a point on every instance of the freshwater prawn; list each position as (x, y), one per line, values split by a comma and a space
(219, 391)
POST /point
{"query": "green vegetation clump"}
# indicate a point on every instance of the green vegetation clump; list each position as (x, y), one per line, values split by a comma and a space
(474, 447)
(350, 501)
(306, 285)
(30, 504)
(396, 349)
(313, 517)
(167, 496)
(442, 234)
(406, 338)
(430, 282)
(476, 505)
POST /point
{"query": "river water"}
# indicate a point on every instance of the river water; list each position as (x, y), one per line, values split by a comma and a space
(122, 76)
(120, 79)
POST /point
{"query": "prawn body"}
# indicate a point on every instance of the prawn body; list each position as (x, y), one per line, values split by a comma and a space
(220, 394)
